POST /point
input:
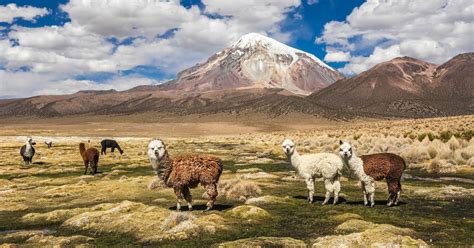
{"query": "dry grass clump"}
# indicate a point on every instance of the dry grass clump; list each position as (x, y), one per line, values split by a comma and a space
(238, 190)
(178, 221)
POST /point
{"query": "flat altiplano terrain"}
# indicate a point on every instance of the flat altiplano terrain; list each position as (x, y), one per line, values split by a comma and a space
(260, 202)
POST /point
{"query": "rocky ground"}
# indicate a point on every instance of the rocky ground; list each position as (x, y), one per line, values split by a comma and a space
(261, 202)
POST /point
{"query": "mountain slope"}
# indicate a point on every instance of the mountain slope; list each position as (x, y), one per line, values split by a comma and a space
(405, 87)
(256, 61)
(269, 102)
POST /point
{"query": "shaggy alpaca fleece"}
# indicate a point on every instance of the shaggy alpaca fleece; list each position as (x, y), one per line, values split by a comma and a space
(309, 166)
(185, 172)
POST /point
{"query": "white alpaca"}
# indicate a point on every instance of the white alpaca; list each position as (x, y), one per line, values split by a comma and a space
(356, 165)
(155, 152)
(310, 166)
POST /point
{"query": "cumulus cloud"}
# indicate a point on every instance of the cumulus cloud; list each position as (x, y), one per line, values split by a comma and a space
(11, 11)
(337, 56)
(24, 84)
(430, 30)
(106, 36)
(311, 2)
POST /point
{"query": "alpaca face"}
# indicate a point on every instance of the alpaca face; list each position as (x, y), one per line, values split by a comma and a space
(288, 147)
(156, 148)
(345, 150)
(30, 141)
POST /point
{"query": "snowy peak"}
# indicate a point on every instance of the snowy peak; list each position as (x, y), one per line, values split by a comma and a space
(255, 40)
(257, 61)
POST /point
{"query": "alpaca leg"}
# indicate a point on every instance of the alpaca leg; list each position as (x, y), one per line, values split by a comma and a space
(188, 198)
(86, 164)
(364, 192)
(310, 186)
(370, 189)
(211, 191)
(337, 189)
(392, 191)
(399, 189)
(179, 197)
(329, 189)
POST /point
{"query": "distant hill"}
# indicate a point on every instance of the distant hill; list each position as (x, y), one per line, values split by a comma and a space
(406, 87)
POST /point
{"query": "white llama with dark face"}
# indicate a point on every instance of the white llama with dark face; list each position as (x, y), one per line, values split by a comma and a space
(27, 151)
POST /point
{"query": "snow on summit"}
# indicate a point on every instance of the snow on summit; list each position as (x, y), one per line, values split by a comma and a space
(252, 40)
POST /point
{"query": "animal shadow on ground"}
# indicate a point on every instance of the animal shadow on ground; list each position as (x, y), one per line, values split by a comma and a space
(218, 207)
(321, 199)
(40, 163)
(379, 202)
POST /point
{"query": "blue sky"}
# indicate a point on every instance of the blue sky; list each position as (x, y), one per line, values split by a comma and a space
(56, 47)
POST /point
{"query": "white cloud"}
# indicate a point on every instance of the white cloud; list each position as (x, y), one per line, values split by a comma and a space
(337, 56)
(11, 11)
(57, 54)
(311, 2)
(23, 84)
(430, 30)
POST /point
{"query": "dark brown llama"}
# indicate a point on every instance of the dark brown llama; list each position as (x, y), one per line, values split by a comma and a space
(185, 172)
(90, 157)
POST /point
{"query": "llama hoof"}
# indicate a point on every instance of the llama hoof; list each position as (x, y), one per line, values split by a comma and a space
(207, 209)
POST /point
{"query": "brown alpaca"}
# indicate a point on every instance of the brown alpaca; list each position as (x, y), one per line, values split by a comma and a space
(375, 167)
(185, 172)
(90, 157)
(386, 166)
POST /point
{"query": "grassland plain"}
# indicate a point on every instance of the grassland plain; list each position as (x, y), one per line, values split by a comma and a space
(261, 201)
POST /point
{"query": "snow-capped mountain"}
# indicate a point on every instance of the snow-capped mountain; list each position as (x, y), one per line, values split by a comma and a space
(257, 61)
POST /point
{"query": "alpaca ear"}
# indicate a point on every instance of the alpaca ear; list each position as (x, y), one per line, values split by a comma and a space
(340, 142)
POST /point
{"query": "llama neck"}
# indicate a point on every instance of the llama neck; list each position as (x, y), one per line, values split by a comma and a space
(82, 148)
(355, 163)
(165, 168)
(28, 146)
(295, 159)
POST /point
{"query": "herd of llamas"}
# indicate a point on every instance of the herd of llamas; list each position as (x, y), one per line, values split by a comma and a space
(184, 172)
